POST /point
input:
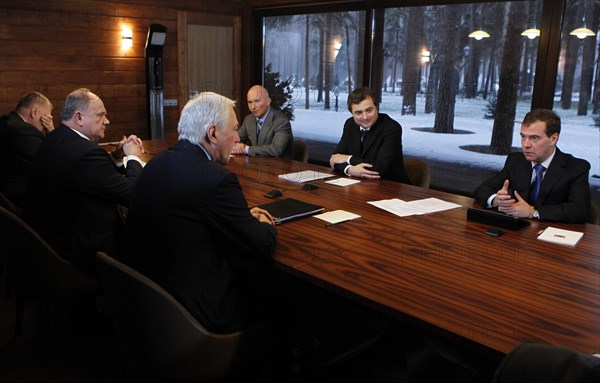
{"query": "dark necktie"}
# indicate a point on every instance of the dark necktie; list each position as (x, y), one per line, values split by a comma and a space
(536, 184)
(363, 134)
(258, 126)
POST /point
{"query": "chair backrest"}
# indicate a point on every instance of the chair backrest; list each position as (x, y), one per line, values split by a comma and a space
(160, 338)
(7, 204)
(35, 269)
(593, 218)
(300, 151)
(418, 172)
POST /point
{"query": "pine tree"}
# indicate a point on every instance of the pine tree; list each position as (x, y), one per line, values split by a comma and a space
(280, 92)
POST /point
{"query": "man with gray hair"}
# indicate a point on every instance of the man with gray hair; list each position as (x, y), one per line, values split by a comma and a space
(75, 186)
(194, 234)
(22, 131)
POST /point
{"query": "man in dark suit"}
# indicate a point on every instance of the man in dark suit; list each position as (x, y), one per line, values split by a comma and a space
(75, 185)
(371, 143)
(194, 234)
(541, 182)
(268, 131)
(21, 134)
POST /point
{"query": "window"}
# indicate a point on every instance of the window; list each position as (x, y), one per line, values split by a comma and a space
(458, 77)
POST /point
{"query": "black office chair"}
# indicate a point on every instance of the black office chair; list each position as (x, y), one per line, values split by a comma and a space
(161, 340)
(418, 172)
(300, 151)
(7, 204)
(36, 271)
(593, 218)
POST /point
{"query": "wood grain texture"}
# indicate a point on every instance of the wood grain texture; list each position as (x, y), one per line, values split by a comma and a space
(437, 269)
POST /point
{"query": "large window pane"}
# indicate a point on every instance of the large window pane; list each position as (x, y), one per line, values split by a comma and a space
(577, 93)
(459, 78)
(321, 56)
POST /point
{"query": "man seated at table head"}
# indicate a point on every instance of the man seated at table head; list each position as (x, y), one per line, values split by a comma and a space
(265, 131)
(371, 143)
(193, 232)
(540, 182)
(21, 134)
(75, 185)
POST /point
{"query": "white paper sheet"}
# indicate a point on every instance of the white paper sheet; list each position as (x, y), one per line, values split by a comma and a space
(423, 206)
(560, 236)
(342, 182)
(337, 216)
(305, 176)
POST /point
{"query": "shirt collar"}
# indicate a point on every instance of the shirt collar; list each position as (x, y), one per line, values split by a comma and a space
(263, 118)
(547, 162)
(81, 134)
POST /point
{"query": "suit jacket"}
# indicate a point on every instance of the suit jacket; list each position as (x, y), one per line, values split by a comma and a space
(543, 363)
(275, 138)
(565, 192)
(19, 141)
(72, 195)
(189, 219)
(382, 148)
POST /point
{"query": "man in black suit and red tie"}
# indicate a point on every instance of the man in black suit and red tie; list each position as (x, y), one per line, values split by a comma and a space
(540, 182)
(371, 144)
(75, 186)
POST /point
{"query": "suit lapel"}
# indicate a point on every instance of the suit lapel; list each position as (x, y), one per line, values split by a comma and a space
(370, 139)
(553, 174)
(265, 128)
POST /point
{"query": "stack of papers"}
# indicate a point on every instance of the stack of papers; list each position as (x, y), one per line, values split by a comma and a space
(342, 182)
(560, 236)
(417, 207)
(305, 176)
(337, 216)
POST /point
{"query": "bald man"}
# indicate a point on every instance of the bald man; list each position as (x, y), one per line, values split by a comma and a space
(22, 131)
(265, 131)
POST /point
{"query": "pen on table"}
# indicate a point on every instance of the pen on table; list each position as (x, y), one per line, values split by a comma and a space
(336, 223)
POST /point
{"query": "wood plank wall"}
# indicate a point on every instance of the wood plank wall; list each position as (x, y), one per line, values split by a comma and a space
(55, 47)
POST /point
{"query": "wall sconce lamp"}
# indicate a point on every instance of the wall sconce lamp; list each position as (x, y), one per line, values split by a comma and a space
(479, 34)
(127, 40)
(582, 33)
(531, 33)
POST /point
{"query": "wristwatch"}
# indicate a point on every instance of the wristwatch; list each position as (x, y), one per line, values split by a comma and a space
(535, 214)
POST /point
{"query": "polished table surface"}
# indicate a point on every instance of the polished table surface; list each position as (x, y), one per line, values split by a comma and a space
(437, 269)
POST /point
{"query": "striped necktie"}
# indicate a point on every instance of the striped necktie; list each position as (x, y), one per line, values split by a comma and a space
(536, 184)
(259, 124)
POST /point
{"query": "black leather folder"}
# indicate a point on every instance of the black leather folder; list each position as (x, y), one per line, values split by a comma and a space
(495, 218)
(289, 209)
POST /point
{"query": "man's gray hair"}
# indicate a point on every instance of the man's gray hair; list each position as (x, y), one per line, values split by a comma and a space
(202, 111)
(79, 99)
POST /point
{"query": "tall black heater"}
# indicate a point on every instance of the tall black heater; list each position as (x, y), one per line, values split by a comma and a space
(157, 34)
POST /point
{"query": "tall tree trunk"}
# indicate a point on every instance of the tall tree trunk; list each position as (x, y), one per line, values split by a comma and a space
(321, 64)
(449, 77)
(411, 68)
(587, 64)
(472, 73)
(329, 61)
(307, 62)
(572, 47)
(433, 82)
(348, 61)
(502, 133)
(596, 97)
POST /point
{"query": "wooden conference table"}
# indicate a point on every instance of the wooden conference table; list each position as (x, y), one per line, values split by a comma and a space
(437, 269)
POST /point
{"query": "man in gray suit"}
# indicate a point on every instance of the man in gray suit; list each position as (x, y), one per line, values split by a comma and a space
(265, 131)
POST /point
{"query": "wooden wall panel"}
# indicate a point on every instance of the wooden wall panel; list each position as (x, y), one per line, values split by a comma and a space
(57, 46)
